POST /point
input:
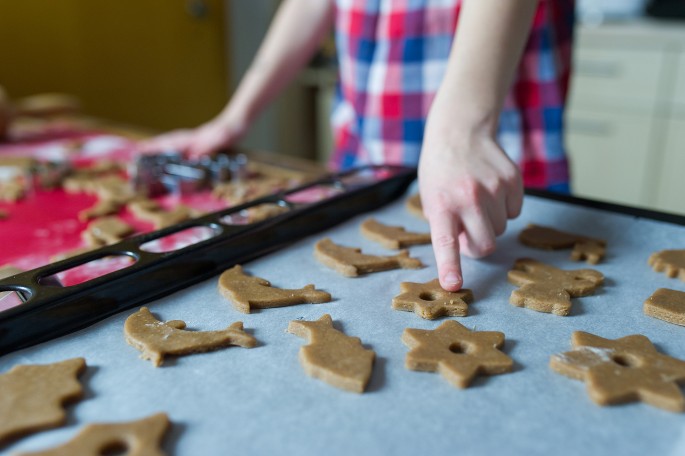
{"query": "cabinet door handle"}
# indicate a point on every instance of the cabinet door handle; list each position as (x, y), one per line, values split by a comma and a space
(598, 69)
(589, 127)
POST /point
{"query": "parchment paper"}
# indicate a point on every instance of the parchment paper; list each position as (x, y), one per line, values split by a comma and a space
(259, 401)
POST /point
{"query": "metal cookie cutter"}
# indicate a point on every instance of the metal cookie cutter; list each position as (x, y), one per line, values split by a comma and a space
(170, 172)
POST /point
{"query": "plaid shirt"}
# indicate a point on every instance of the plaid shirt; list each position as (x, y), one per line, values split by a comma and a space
(392, 57)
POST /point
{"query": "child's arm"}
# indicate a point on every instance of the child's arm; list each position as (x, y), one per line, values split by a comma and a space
(292, 39)
(469, 187)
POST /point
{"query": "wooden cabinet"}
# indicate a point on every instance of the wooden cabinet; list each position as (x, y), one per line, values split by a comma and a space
(626, 117)
(153, 63)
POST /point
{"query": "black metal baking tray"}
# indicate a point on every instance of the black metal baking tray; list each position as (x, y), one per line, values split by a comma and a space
(50, 310)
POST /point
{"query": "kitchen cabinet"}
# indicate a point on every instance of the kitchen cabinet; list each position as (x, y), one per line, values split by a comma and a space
(626, 118)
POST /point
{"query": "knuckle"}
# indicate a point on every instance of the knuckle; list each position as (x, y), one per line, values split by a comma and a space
(446, 241)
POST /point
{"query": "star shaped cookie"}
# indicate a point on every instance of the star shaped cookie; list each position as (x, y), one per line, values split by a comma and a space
(455, 352)
(623, 370)
(429, 300)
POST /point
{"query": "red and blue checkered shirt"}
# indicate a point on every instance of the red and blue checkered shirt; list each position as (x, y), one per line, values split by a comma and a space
(392, 56)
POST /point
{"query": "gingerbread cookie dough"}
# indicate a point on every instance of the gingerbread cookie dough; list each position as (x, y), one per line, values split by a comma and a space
(545, 288)
(264, 212)
(12, 190)
(32, 397)
(623, 370)
(155, 338)
(99, 209)
(667, 305)
(415, 207)
(455, 352)
(7, 271)
(150, 211)
(392, 237)
(242, 191)
(333, 357)
(350, 262)
(247, 292)
(670, 262)
(584, 248)
(429, 300)
(134, 438)
(106, 231)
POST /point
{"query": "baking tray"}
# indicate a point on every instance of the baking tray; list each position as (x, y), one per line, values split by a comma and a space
(51, 310)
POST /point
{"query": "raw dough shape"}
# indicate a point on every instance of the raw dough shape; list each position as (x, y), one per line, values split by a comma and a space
(99, 209)
(429, 300)
(667, 305)
(456, 353)
(670, 262)
(584, 248)
(12, 190)
(623, 370)
(242, 191)
(247, 292)
(32, 397)
(332, 356)
(545, 288)
(133, 438)
(415, 207)
(392, 237)
(7, 271)
(106, 231)
(150, 211)
(351, 262)
(265, 211)
(155, 338)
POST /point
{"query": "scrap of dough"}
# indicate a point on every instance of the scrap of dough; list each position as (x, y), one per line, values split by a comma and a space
(545, 288)
(106, 231)
(333, 357)
(670, 262)
(155, 338)
(623, 370)
(350, 262)
(247, 292)
(546, 238)
(32, 397)
(265, 211)
(456, 353)
(133, 438)
(242, 191)
(667, 305)
(7, 271)
(12, 190)
(150, 211)
(429, 300)
(392, 237)
(415, 207)
(99, 209)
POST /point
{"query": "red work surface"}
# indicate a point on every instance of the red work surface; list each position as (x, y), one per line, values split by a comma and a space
(45, 223)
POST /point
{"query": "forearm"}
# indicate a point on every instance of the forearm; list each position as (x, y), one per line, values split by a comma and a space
(292, 39)
(490, 38)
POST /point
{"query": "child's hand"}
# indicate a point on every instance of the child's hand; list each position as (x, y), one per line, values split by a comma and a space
(469, 189)
(216, 134)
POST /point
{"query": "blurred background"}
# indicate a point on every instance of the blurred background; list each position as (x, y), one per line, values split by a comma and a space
(164, 64)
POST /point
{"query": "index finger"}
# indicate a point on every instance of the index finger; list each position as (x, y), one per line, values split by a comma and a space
(445, 228)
